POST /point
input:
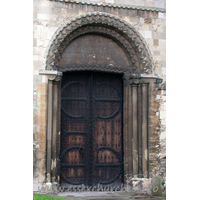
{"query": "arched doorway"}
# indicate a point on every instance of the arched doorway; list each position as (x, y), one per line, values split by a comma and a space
(91, 112)
(93, 44)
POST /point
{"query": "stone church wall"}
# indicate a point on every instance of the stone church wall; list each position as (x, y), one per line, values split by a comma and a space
(147, 16)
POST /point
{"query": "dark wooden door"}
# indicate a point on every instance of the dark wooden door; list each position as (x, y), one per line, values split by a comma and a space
(91, 129)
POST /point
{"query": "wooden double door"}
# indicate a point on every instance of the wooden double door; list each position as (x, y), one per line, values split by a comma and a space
(91, 129)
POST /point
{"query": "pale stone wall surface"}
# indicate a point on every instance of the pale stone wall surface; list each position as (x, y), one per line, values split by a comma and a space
(147, 3)
(48, 16)
(162, 116)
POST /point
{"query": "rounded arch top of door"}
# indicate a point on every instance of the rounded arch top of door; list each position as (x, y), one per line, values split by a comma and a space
(94, 52)
(138, 57)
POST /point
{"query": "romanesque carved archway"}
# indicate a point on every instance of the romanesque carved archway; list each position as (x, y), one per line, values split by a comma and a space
(125, 35)
(137, 88)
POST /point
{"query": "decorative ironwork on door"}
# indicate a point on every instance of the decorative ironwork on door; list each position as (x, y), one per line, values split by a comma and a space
(91, 129)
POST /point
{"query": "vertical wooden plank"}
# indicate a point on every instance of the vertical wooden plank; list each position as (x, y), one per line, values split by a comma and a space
(135, 139)
(144, 129)
(90, 131)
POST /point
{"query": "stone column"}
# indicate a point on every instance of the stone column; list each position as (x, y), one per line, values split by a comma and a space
(54, 130)
(139, 130)
(135, 138)
(52, 124)
(49, 129)
(144, 129)
(127, 129)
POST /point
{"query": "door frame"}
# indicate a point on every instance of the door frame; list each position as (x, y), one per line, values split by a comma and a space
(138, 93)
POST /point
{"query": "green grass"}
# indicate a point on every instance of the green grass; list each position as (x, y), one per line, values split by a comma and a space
(46, 197)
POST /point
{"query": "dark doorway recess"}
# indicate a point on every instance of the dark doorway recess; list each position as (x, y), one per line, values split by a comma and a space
(91, 129)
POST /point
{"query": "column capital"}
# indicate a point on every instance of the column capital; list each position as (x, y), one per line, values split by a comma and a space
(52, 75)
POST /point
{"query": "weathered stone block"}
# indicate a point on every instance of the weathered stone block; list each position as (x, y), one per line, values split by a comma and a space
(43, 111)
(43, 97)
(42, 128)
(72, 13)
(40, 136)
(157, 188)
(41, 120)
(40, 43)
(156, 42)
(141, 185)
(41, 177)
(43, 145)
(158, 70)
(42, 88)
(37, 50)
(156, 53)
(37, 64)
(40, 154)
(43, 16)
(147, 20)
(160, 15)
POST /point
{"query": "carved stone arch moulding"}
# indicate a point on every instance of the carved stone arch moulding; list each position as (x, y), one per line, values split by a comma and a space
(105, 31)
(123, 33)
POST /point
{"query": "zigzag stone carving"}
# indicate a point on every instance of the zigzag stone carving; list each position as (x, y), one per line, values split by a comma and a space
(122, 32)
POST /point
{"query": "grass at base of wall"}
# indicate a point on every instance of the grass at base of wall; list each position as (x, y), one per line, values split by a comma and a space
(46, 197)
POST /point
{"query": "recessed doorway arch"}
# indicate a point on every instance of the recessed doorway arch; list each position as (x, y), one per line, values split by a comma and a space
(100, 42)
